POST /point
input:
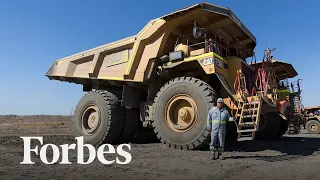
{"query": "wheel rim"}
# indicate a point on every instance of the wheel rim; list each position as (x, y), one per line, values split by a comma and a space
(90, 119)
(314, 127)
(181, 113)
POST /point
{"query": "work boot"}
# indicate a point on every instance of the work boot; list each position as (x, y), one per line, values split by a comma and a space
(220, 154)
(214, 154)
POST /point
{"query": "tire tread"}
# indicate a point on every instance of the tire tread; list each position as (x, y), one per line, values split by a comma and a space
(210, 96)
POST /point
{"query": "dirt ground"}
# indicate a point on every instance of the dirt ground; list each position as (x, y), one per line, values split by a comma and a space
(35, 124)
(292, 157)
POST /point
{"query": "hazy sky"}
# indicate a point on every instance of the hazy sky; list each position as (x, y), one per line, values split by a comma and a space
(33, 34)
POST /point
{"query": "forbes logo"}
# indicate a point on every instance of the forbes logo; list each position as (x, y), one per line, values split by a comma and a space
(64, 149)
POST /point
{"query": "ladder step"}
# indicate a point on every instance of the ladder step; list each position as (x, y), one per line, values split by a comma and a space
(251, 103)
(245, 135)
(245, 139)
(247, 116)
(246, 130)
(252, 109)
(250, 116)
(247, 124)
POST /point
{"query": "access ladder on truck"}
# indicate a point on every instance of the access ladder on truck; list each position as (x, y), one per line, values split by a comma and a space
(248, 110)
(295, 115)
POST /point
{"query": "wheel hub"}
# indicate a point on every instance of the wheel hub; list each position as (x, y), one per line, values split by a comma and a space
(314, 127)
(90, 119)
(93, 120)
(181, 113)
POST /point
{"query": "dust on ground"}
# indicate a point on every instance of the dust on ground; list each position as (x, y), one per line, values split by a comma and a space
(291, 157)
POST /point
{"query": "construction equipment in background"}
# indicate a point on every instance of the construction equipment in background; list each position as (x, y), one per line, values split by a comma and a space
(274, 81)
(295, 111)
(312, 119)
(168, 76)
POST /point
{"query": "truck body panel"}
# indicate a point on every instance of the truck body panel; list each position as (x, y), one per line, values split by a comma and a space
(127, 59)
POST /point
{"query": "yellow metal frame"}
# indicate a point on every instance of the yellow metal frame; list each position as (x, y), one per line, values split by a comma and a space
(110, 46)
(210, 54)
(134, 49)
(111, 78)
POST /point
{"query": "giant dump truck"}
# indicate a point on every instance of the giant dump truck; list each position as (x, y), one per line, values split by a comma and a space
(169, 75)
(312, 119)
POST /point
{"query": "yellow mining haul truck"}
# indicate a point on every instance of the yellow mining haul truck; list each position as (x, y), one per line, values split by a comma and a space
(167, 77)
(312, 119)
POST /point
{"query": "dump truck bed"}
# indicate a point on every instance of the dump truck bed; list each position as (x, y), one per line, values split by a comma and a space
(312, 108)
(129, 59)
(283, 70)
(101, 48)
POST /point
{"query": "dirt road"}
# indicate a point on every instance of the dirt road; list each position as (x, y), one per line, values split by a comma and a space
(294, 157)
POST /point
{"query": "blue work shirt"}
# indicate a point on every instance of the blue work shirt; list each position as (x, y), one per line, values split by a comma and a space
(217, 117)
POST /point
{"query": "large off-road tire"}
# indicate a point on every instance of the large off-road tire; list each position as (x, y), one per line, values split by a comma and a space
(130, 126)
(283, 127)
(98, 118)
(313, 126)
(268, 126)
(180, 112)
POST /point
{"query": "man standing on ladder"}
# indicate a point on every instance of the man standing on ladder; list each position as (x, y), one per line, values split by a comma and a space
(216, 123)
